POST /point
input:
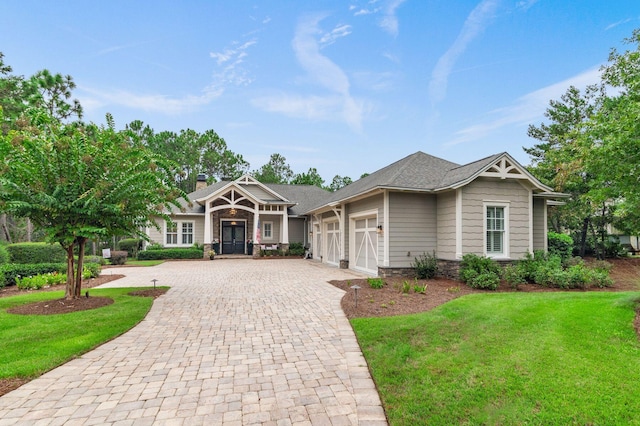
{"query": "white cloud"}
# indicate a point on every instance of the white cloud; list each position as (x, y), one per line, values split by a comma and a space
(389, 21)
(526, 4)
(338, 105)
(231, 71)
(475, 23)
(525, 109)
(615, 24)
(331, 37)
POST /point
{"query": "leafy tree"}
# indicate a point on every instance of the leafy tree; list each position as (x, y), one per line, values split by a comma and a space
(77, 181)
(339, 182)
(312, 177)
(275, 171)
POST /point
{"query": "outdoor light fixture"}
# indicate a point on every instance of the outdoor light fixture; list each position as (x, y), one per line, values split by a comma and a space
(379, 229)
(233, 223)
(154, 282)
(355, 289)
(233, 211)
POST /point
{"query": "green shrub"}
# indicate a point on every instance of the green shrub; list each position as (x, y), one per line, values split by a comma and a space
(375, 282)
(130, 245)
(118, 257)
(95, 259)
(600, 278)
(155, 246)
(4, 255)
(171, 253)
(426, 265)
(602, 265)
(480, 272)
(560, 245)
(30, 253)
(485, 280)
(12, 271)
(40, 281)
(91, 270)
(296, 249)
(513, 275)
(546, 271)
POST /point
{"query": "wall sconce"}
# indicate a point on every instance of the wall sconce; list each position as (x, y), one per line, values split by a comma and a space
(233, 223)
(379, 229)
(233, 211)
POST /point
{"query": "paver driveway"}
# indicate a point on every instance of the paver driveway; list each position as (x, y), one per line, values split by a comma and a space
(233, 342)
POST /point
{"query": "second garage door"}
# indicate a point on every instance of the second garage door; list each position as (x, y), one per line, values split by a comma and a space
(365, 244)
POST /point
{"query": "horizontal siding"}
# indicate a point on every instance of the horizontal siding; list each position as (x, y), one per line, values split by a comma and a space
(412, 227)
(446, 234)
(275, 230)
(296, 230)
(156, 236)
(473, 214)
(539, 234)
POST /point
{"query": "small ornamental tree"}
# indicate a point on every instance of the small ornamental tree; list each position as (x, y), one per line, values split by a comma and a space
(79, 181)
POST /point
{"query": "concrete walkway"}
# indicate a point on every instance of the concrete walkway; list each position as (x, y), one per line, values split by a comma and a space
(233, 342)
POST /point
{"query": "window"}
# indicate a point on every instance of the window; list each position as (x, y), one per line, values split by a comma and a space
(495, 229)
(172, 233)
(187, 233)
(267, 230)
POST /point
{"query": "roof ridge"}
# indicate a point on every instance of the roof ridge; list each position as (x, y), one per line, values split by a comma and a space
(477, 161)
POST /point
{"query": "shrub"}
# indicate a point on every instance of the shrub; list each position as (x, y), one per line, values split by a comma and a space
(513, 275)
(130, 245)
(4, 255)
(485, 280)
(473, 265)
(95, 259)
(39, 281)
(296, 249)
(171, 253)
(30, 253)
(12, 271)
(154, 246)
(426, 265)
(560, 245)
(118, 257)
(375, 282)
(545, 272)
(91, 270)
(602, 265)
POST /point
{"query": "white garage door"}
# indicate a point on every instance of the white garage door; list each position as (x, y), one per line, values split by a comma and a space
(332, 234)
(365, 245)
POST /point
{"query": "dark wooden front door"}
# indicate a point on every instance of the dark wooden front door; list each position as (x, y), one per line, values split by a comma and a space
(233, 236)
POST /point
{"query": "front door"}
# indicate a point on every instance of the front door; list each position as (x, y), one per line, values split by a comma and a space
(233, 236)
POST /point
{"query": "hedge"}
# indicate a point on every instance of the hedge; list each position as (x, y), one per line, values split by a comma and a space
(11, 271)
(4, 255)
(131, 245)
(171, 253)
(31, 253)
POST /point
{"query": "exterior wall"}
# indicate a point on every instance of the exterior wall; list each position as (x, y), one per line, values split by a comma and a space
(296, 230)
(371, 203)
(257, 192)
(198, 230)
(473, 214)
(539, 224)
(412, 227)
(275, 230)
(446, 233)
(156, 236)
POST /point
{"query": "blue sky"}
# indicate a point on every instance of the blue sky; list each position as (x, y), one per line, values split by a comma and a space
(344, 86)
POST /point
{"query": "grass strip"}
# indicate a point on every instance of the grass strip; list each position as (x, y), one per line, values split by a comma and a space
(518, 358)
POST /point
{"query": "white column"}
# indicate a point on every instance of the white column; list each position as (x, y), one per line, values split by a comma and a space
(343, 230)
(285, 226)
(256, 218)
(207, 224)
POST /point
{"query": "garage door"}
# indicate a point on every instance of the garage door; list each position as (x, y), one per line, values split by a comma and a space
(332, 238)
(365, 244)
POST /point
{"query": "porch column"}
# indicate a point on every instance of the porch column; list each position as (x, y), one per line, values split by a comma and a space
(285, 226)
(207, 224)
(256, 243)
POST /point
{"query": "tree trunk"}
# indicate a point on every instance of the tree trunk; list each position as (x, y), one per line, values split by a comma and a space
(78, 289)
(29, 230)
(5, 230)
(583, 236)
(70, 290)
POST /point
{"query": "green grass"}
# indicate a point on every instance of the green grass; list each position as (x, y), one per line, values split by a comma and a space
(34, 344)
(144, 262)
(518, 358)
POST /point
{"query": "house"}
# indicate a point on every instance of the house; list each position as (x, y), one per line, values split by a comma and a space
(380, 223)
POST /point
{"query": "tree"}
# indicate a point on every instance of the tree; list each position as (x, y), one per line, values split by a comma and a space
(312, 177)
(77, 181)
(275, 171)
(339, 182)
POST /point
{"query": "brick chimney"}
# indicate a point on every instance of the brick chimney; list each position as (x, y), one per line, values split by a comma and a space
(201, 182)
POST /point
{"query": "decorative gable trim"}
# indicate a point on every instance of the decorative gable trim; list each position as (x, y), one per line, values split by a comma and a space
(238, 184)
(504, 169)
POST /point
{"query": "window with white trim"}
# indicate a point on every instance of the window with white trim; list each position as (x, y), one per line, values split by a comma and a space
(172, 233)
(267, 230)
(495, 230)
(187, 233)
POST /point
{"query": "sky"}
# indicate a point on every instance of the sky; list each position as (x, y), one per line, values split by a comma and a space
(347, 87)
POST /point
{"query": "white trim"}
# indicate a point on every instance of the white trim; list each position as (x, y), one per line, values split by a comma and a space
(506, 240)
(352, 238)
(531, 221)
(343, 226)
(179, 234)
(546, 229)
(227, 219)
(385, 228)
(459, 223)
(264, 230)
(328, 240)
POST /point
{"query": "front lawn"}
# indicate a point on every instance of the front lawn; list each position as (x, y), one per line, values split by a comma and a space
(512, 358)
(34, 344)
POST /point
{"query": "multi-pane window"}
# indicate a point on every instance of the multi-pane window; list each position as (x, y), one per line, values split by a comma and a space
(187, 232)
(267, 231)
(495, 230)
(172, 233)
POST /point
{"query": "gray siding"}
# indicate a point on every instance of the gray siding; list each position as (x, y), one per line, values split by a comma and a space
(372, 203)
(275, 230)
(296, 230)
(446, 210)
(257, 192)
(198, 229)
(412, 227)
(539, 231)
(483, 189)
(156, 236)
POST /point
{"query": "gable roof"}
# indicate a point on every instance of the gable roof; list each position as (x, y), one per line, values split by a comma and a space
(422, 172)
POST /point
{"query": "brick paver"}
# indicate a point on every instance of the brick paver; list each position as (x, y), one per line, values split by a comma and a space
(233, 342)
